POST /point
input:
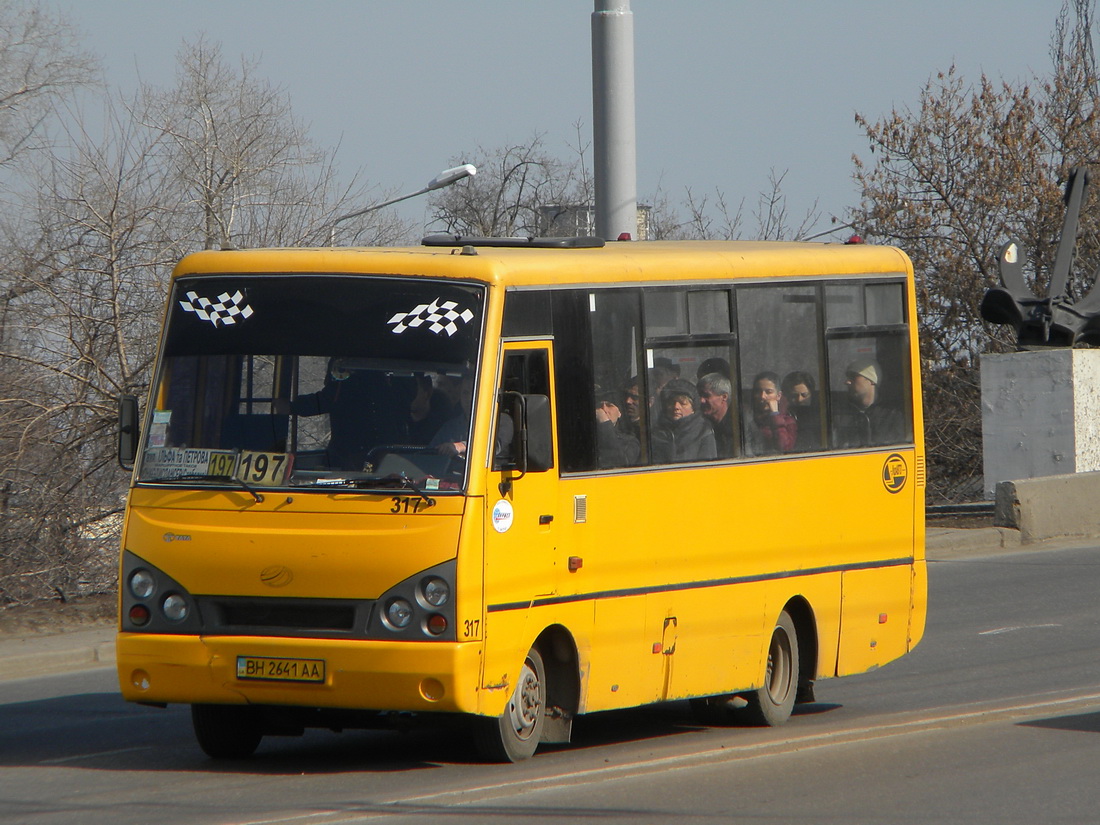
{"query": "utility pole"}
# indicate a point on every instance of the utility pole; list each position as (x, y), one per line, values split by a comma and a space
(613, 137)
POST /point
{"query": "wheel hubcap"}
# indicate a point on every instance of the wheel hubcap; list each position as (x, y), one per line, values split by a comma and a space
(778, 676)
(526, 704)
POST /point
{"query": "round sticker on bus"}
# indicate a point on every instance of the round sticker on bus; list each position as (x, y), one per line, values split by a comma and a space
(894, 473)
(502, 516)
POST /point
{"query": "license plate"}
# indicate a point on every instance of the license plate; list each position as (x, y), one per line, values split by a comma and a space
(280, 670)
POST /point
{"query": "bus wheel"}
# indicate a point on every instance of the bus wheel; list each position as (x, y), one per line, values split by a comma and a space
(514, 735)
(772, 703)
(226, 731)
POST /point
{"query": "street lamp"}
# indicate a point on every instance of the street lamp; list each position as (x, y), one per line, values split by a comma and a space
(443, 179)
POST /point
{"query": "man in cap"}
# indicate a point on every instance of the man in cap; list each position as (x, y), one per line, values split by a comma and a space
(867, 422)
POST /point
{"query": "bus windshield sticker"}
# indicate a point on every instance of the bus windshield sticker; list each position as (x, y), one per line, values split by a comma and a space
(225, 310)
(173, 462)
(439, 316)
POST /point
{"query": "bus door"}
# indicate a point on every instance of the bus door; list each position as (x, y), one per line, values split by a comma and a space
(524, 557)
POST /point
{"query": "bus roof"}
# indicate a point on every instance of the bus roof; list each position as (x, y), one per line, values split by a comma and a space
(616, 262)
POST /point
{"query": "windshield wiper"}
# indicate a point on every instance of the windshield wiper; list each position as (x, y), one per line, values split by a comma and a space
(401, 480)
(244, 485)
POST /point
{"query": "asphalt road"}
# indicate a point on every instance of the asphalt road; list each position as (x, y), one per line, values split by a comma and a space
(995, 718)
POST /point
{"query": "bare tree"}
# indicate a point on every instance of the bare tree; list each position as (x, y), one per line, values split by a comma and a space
(952, 180)
(218, 160)
(244, 163)
(512, 185)
(40, 66)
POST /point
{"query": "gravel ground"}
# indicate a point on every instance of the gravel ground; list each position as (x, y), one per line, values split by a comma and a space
(49, 617)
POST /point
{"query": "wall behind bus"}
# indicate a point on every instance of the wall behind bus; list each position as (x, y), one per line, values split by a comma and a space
(1040, 414)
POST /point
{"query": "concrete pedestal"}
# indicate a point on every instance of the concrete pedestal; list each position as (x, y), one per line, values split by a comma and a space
(1040, 414)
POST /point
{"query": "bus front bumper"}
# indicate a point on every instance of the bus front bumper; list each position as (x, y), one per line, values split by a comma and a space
(370, 675)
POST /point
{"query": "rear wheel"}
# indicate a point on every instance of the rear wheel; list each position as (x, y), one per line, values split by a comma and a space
(514, 735)
(226, 731)
(772, 703)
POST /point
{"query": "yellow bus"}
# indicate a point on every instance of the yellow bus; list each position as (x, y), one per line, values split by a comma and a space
(519, 480)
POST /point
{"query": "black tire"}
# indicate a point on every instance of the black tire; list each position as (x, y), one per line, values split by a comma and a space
(772, 703)
(226, 731)
(514, 735)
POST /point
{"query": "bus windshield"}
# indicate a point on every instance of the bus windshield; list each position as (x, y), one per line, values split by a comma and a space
(320, 381)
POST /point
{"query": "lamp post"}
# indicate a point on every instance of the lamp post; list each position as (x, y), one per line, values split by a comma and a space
(443, 179)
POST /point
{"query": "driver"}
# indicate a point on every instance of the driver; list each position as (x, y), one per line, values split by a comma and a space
(364, 409)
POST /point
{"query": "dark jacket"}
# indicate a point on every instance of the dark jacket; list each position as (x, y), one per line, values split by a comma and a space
(872, 426)
(688, 439)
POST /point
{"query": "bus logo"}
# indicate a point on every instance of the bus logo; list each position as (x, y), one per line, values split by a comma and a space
(276, 576)
(894, 473)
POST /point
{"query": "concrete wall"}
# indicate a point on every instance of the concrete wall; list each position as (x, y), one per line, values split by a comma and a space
(1040, 414)
(1049, 508)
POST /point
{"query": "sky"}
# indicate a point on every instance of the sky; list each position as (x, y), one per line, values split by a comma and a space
(727, 91)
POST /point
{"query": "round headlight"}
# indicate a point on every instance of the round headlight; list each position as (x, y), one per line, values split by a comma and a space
(142, 584)
(436, 591)
(398, 613)
(175, 608)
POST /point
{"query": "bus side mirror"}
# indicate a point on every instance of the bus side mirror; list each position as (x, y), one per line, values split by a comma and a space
(540, 439)
(128, 430)
(532, 446)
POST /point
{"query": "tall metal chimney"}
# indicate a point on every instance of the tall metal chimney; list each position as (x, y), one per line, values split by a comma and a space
(613, 119)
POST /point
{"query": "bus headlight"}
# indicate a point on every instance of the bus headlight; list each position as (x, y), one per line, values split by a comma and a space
(435, 591)
(175, 608)
(398, 613)
(142, 584)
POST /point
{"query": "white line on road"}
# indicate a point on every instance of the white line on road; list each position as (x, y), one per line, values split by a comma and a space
(1013, 628)
(983, 714)
(62, 760)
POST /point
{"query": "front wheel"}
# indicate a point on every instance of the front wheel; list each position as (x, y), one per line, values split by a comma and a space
(772, 703)
(514, 735)
(226, 731)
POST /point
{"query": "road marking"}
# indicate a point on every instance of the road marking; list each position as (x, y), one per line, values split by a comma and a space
(976, 714)
(1013, 628)
(62, 760)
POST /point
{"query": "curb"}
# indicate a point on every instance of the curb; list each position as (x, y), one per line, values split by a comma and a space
(31, 656)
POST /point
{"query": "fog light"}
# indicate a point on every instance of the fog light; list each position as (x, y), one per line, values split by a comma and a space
(140, 679)
(398, 614)
(175, 608)
(139, 615)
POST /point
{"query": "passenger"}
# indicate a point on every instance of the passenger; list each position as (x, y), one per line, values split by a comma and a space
(667, 364)
(775, 429)
(658, 377)
(681, 434)
(615, 445)
(865, 421)
(800, 390)
(631, 422)
(714, 403)
(718, 365)
(364, 410)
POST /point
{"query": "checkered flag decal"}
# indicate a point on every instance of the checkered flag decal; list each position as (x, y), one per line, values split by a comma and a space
(440, 318)
(226, 310)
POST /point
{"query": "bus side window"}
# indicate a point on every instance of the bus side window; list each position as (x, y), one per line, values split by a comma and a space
(781, 363)
(869, 377)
